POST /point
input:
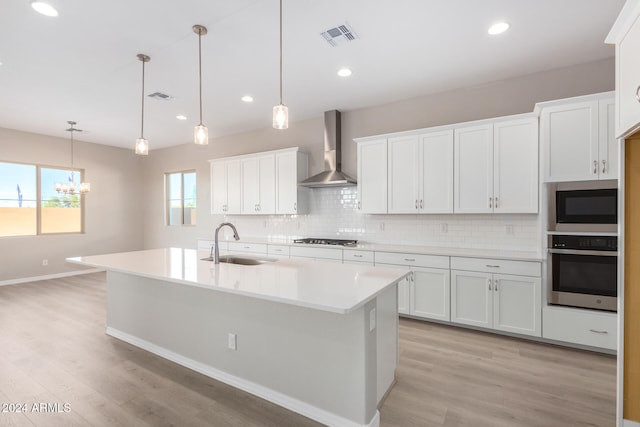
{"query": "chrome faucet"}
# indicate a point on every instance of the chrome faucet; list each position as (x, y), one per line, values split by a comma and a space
(216, 257)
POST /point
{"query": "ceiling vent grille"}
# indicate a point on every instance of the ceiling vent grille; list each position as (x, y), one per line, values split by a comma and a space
(339, 35)
(159, 96)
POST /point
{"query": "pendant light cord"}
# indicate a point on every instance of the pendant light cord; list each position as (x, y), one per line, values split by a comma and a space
(200, 70)
(280, 52)
(142, 98)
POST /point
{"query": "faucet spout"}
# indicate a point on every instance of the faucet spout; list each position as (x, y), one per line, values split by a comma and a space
(216, 257)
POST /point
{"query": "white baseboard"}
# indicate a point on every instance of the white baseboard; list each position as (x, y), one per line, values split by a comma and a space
(49, 276)
(628, 423)
(293, 404)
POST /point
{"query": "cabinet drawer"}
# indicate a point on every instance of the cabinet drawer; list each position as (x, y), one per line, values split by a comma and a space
(413, 260)
(586, 327)
(520, 268)
(256, 248)
(278, 250)
(357, 256)
(324, 253)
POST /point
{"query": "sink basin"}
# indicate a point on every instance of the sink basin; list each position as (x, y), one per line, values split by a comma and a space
(232, 259)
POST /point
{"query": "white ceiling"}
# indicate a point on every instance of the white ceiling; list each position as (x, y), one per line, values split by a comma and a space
(82, 64)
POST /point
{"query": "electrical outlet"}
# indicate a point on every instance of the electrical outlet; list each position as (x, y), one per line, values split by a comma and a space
(381, 226)
(45, 262)
(372, 319)
(233, 342)
(444, 227)
(509, 228)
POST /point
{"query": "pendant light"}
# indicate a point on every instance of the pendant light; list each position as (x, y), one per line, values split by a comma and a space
(280, 111)
(142, 145)
(200, 133)
(70, 188)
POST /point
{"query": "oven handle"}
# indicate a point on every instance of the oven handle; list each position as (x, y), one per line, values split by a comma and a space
(581, 252)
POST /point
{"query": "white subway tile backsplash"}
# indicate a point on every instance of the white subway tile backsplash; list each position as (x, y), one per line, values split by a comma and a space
(333, 213)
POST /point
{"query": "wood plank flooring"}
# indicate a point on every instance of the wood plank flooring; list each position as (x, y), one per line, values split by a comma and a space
(53, 350)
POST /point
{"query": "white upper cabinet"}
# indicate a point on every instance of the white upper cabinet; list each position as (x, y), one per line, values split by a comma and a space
(372, 176)
(225, 186)
(474, 169)
(291, 167)
(578, 139)
(420, 173)
(259, 184)
(515, 166)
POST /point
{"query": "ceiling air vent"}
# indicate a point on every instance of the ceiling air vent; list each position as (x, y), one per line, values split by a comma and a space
(159, 96)
(339, 35)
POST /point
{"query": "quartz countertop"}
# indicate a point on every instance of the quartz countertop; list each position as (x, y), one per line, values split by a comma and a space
(338, 288)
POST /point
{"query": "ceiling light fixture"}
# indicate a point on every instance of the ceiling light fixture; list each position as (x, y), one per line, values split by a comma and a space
(142, 145)
(345, 72)
(44, 8)
(280, 111)
(200, 133)
(70, 188)
(247, 98)
(498, 28)
(181, 117)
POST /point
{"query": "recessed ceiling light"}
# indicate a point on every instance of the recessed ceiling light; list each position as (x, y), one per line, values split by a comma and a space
(498, 28)
(44, 8)
(181, 117)
(247, 98)
(344, 72)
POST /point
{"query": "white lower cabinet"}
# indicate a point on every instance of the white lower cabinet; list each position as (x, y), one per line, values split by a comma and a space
(425, 293)
(506, 302)
(578, 326)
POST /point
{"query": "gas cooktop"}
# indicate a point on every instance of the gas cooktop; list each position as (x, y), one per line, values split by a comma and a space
(339, 242)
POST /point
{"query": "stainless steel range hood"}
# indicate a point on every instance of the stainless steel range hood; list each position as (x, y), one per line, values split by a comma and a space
(332, 175)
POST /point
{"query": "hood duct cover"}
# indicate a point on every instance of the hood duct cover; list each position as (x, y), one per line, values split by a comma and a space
(332, 175)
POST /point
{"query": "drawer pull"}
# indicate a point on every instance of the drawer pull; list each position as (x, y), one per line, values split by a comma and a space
(595, 331)
(357, 256)
(277, 250)
(410, 259)
(247, 247)
(493, 266)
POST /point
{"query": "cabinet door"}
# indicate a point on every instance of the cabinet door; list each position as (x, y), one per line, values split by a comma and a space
(436, 172)
(403, 174)
(404, 296)
(515, 163)
(267, 185)
(286, 183)
(517, 305)
(628, 80)
(570, 141)
(608, 145)
(372, 176)
(218, 187)
(234, 187)
(250, 185)
(473, 179)
(430, 293)
(472, 298)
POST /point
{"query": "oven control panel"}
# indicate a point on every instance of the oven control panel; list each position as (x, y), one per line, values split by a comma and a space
(597, 243)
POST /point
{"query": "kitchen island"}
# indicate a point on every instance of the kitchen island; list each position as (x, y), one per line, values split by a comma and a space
(317, 338)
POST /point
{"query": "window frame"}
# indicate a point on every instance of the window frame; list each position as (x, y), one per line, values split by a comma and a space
(39, 201)
(168, 199)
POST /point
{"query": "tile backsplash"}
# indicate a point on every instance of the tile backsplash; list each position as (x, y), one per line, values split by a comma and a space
(333, 214)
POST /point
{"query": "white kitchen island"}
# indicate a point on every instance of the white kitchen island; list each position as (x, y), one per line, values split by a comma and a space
(317, 338)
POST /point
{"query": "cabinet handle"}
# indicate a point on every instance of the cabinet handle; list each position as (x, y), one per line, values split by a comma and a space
(277, 250)
(295, 206)
(495, 285)
(359, 205)
(410, 259)
(638, 93)
(496, 202)
(247, 247)
(595, 166)
(416, 203)
(421, 203)
(595, 331)
(490, 202)
(604, 166)
(357, 256)
(489, 283)
(492, 266)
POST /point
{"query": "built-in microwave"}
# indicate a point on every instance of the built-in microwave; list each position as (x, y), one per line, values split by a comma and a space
(584, 206)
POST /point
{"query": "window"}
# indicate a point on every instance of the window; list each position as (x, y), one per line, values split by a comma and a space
(181, 198)
(30, 205)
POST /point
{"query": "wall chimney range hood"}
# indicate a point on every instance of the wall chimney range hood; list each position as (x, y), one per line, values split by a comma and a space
(332, 175)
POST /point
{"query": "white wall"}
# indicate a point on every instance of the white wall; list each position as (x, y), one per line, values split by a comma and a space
(514, 96)
(113, 213)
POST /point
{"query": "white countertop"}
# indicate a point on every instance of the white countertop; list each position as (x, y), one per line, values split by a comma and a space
(338, 288)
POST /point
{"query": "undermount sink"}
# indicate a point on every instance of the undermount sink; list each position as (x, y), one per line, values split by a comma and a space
(232, 259)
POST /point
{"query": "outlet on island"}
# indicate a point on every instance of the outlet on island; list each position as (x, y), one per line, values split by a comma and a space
(45, 262)
(232, 341)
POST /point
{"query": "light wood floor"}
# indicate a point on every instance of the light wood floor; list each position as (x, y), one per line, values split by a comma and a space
(53, 349)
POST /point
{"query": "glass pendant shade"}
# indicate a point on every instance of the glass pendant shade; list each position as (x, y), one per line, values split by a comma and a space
(280, 117)
(201, 135)
(142, 146)
(85, 187)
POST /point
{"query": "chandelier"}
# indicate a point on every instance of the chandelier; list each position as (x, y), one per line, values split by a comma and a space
(70, 187)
